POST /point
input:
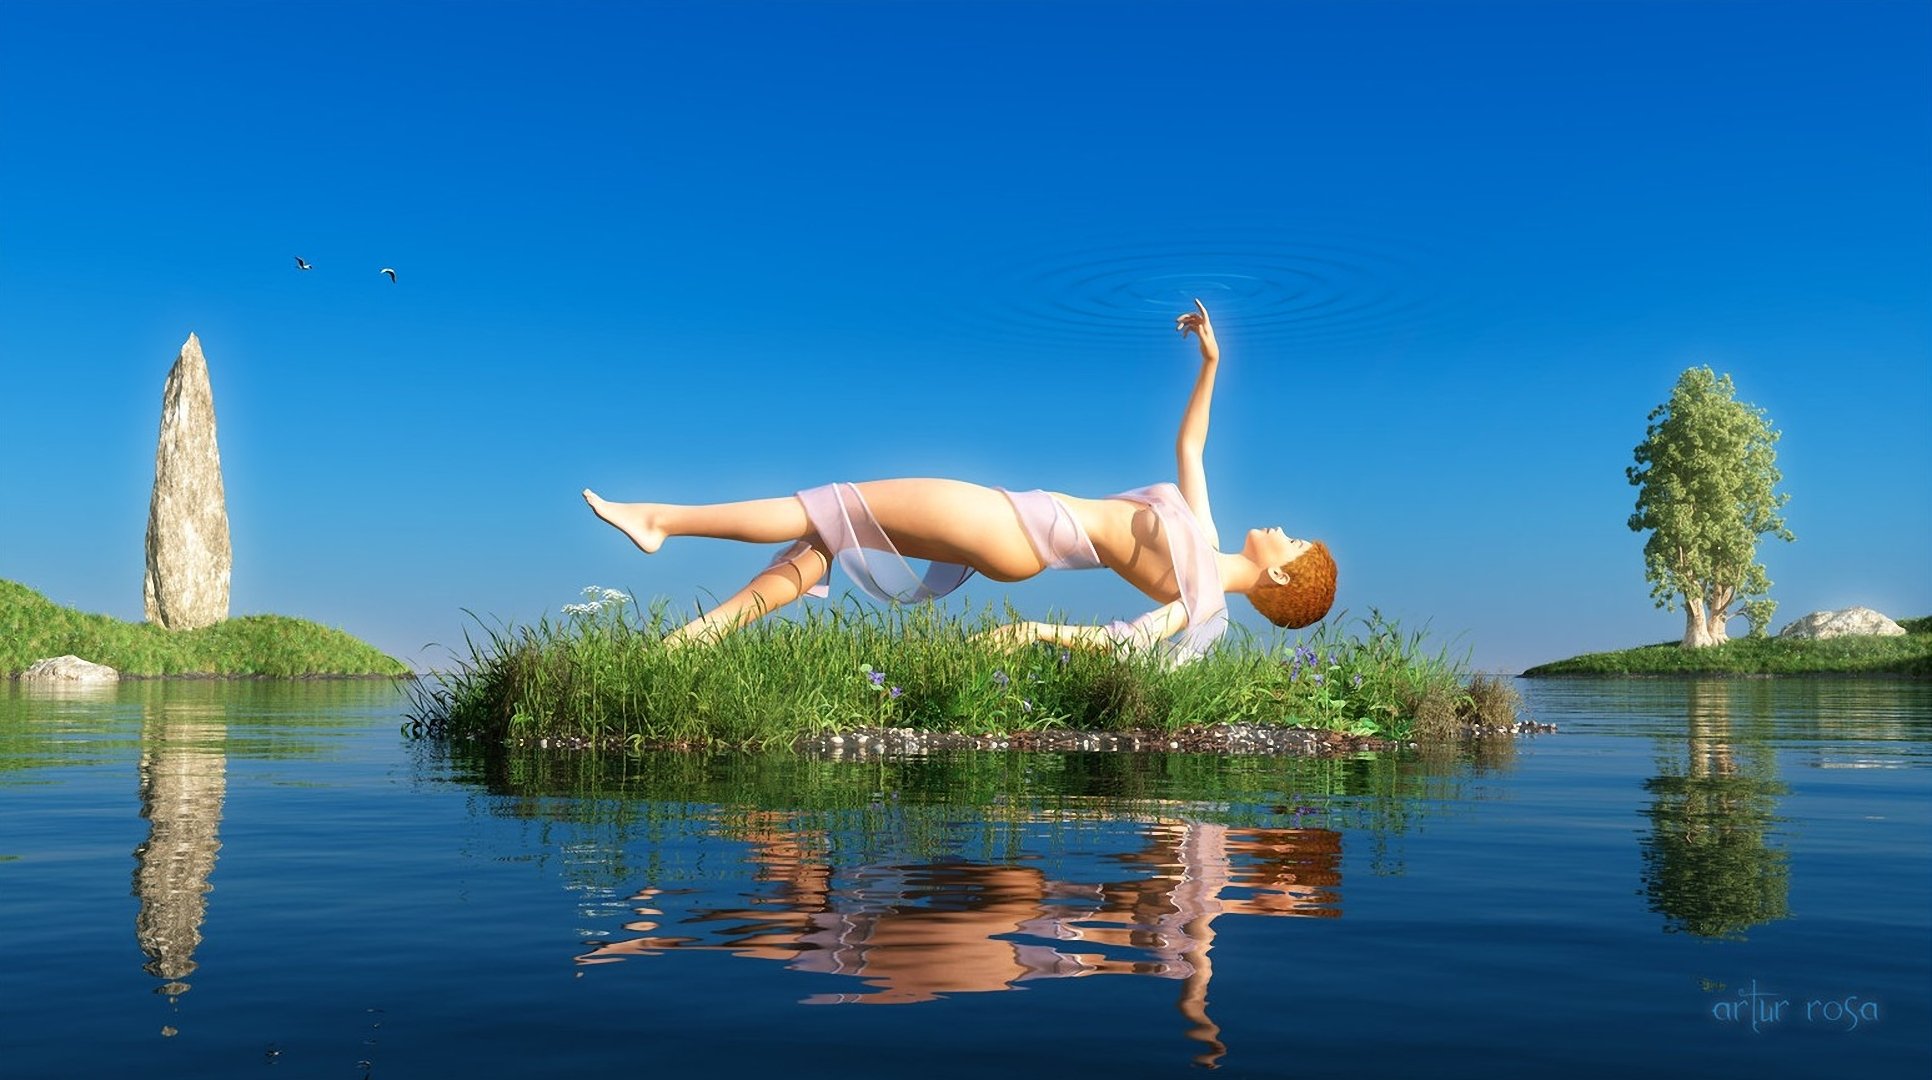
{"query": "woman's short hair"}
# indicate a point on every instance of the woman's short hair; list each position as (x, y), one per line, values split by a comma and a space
(1309, 594)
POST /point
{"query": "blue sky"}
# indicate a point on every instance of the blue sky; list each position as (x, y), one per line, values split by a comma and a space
(1456, 252)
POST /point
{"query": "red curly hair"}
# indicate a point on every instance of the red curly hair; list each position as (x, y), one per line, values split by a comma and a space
(1309, 594)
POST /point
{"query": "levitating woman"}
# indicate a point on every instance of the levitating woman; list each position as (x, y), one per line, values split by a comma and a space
(1161, 539)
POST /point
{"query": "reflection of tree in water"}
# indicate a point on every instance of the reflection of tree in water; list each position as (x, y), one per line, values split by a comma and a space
(917, 932)
(1708, 867)
(183, 778)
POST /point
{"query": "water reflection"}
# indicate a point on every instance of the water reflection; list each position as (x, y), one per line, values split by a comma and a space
(1709, 867)
(917, 932)
(905, 880)
(183, 777)
(1194, 874)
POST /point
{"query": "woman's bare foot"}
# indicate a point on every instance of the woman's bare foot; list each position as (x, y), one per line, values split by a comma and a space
(636, 520)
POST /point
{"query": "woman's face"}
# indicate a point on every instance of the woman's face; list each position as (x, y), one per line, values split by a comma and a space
(1269, 548)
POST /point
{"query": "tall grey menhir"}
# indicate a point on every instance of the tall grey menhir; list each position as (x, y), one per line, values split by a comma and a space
(188, 557)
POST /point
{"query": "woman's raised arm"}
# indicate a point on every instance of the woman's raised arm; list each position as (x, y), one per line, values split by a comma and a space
(1192, 440)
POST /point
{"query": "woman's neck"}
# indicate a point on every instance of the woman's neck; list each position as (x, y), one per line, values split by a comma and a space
(1238, 572)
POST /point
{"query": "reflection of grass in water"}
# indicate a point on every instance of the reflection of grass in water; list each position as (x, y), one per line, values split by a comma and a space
(242, 719)
(966, 801)
(34, 628)
(602, 677)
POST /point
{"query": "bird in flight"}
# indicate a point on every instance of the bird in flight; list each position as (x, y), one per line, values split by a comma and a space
(391, 273)
(300, 264)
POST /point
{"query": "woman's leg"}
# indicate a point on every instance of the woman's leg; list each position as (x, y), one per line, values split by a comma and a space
(774, 587)
(952, 521)
(757, 521)
(944, 520)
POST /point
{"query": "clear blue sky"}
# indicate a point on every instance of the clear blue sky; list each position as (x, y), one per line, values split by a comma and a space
(1457, 251)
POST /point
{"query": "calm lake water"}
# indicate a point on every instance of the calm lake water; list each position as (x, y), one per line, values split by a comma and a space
(1729, 878)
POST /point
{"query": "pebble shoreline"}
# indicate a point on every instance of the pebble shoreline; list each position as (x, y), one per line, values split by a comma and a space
(1218, 739)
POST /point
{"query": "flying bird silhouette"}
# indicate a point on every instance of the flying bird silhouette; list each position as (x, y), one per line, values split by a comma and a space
(391, 273)
(300, 265)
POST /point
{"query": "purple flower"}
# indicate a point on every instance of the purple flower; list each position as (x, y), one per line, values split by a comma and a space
(1065, 656)
(1318, 678)
(894, 692)
(1356, 681)
(1000, 679)
(877, 677)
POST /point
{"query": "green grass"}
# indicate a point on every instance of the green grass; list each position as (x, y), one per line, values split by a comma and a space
(1907, 655)
(603, 678)
(33, 627)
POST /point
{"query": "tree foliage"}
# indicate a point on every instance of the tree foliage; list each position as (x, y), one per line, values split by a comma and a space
(1706, 470)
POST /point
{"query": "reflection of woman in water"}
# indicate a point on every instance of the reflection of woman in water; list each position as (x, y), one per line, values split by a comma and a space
(917, 932)
(1161, 539)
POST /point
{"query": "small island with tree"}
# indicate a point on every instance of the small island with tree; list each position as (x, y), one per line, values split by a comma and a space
(1707, 476)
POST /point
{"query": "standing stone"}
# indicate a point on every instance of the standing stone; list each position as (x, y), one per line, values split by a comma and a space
(189, 560)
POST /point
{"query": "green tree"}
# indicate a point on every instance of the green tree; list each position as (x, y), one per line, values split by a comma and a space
(1706, 468)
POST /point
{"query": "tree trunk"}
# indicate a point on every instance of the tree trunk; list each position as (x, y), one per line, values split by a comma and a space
(1720, 599)
(1697, 624)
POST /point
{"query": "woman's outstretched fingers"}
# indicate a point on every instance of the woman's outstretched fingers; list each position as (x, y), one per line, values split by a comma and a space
(1195, 321)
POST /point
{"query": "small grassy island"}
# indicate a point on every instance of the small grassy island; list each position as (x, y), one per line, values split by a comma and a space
(602, 678)
(33, 628)
(1910, 655)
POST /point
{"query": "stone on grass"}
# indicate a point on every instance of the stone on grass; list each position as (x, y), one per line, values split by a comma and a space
(68, 669)
(1851, 622)
(188, 557)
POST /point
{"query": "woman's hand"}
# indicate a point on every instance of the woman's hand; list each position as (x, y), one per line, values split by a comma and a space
(1009, 636)
(1196, 322)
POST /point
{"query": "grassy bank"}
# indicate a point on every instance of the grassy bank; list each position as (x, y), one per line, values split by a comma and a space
(33, 627)
(602, 678)
(1907, 655)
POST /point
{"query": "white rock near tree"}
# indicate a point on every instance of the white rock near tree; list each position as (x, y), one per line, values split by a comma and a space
(188, 557)
(68, 669)
(1851, 622)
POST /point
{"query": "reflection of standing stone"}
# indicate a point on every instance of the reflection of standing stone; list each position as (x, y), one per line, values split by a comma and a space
(184, 776)
(188, 555)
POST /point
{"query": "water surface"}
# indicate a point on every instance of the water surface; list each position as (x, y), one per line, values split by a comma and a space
(207, 879)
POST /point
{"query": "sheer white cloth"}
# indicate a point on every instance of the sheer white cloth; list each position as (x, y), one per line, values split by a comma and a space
(860, 547)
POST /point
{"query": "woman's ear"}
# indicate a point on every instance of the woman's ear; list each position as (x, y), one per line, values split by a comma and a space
(1277, 575)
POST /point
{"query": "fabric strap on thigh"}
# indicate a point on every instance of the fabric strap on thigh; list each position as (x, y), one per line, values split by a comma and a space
(860, 547)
